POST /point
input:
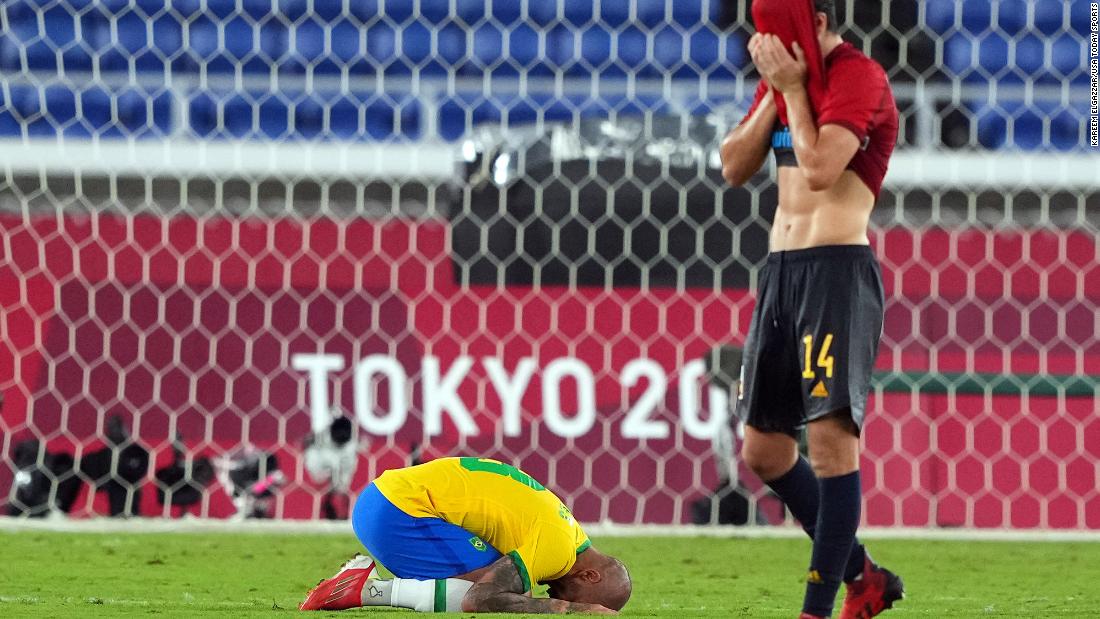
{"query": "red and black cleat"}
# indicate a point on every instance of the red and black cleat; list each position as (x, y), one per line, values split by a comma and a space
(876, 590)
(806, 615)
(344, 590)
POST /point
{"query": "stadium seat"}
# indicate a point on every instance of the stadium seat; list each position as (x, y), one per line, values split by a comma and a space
(976, 17)
(523, 50)
(248, 47)
(133, 43)
(58, 110)
(688, 13)
(1049, 17)
(1067, 59)
(939, 15)
(469, 109)
(52, 44)
(632, 50)
(487, 50)
(1026, 123)
(717, 55)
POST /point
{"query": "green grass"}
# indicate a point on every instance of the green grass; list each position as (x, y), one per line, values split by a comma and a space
(190, 574)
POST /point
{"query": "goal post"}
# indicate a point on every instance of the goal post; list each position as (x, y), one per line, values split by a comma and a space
(499, 229)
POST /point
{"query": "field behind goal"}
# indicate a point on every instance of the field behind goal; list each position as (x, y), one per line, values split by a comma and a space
(499, 229)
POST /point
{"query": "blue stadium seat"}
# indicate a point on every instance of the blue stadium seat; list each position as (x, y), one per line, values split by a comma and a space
(1068, 59)
(1049, 17)
(958, 52)
(689, 13)
(652, 13)
(507, 12)
(939, 15)
(1030, 59)
(382, 52)
(51, 45)
(487, 50)
(295, 116)
(468, 109)
(595, 53)
(718, 55)
(54, 110)
(9, 123)
(385, 121)
(134, 44)
(614, 14)
(332, 47)
(123, 114)
(435, 11)
(1067, 126)
(632, 49)
(523, 48)
(667, 49)
(1080, 20)
(976, 16)
(244, 48)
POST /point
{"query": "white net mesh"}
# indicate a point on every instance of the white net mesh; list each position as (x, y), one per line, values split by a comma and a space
(497, 228)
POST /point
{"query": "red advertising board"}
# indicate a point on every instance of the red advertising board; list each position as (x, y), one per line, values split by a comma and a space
(223, 330)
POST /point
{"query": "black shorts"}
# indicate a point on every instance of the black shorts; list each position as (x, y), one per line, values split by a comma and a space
(814, 337)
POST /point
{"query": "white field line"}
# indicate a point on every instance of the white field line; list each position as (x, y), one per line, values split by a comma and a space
(161, 525)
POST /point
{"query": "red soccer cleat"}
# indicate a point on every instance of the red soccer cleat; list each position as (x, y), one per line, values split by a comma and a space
(809, 616)
(874, 591)
(345, 589)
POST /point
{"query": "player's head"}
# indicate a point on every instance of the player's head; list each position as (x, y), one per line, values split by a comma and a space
(828, 8)
(596, 578)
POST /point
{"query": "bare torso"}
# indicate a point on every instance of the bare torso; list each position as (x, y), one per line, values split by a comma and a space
(805, 218)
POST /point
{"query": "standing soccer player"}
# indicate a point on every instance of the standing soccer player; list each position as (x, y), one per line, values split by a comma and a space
(818, 317)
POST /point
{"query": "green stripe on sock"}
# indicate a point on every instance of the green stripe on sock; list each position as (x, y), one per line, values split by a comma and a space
(440, 595)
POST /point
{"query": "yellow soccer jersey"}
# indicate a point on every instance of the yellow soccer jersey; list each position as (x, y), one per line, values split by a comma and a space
(499, 503)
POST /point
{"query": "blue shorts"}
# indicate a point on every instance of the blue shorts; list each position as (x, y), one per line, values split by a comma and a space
(420, 548)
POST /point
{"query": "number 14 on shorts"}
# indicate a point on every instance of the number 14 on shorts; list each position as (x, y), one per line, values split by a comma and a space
(825, 359)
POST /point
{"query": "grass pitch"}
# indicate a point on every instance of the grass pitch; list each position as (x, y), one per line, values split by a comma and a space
(251, 574)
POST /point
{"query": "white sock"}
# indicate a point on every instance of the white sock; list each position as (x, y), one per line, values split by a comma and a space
(428, 595)
(377, 592)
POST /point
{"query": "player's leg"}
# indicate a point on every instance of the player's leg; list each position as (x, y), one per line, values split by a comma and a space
(774, 457)
(434, 562)
(839, 323)
(834, 454)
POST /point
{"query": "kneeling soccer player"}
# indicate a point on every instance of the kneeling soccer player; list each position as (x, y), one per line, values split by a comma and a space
(471, 535)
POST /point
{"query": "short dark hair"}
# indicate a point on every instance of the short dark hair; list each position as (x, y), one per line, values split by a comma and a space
(828, 7)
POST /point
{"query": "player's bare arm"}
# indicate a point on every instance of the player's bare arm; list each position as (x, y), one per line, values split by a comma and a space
(745, 147)
(501, 590)
(822, 154)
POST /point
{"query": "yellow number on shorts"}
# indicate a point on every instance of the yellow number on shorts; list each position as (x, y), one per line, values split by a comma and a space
(824, 359)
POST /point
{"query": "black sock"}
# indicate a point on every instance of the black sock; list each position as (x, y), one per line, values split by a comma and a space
(834, 537)
(798, 489)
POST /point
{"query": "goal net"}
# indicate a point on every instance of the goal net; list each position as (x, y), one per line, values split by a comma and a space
(478, 227)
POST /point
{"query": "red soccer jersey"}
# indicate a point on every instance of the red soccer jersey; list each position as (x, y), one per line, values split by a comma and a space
(858, 98)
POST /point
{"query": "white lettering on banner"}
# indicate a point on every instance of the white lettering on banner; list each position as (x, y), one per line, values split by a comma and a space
(583, 420)
(366, 394)
(317, 368)
(637, 423)
(442, 395)
(510, 390)
(690, 377)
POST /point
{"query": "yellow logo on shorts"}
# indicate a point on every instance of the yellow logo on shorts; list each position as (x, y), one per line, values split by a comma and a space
(819, 390)
(814, 577)
(478, 544)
